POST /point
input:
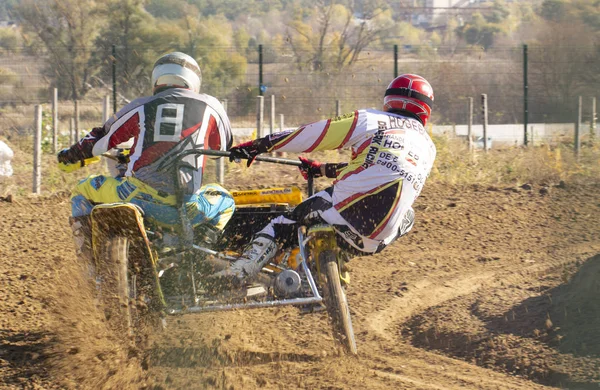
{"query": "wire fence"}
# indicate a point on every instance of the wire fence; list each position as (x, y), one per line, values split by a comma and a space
(309, 87)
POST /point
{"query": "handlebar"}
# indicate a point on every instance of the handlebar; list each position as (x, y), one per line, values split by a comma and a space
(274, 160)
(221, 153)
(215, 153)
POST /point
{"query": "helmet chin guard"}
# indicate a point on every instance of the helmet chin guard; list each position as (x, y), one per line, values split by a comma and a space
(176, 70)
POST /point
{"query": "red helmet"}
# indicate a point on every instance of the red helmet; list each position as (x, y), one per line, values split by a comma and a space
(409, 93)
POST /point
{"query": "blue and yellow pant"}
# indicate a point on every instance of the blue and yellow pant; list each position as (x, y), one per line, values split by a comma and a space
(213, 204)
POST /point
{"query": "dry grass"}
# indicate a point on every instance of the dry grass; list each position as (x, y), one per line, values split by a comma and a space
(543, 164)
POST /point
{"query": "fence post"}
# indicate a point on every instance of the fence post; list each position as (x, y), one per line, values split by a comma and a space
(76, 120)
(37, 150)
(272, 119)
(260, 70)
(593, 121)
(470, 125)
(260, 114)
(577, 141)
(54, 120)
(395, 61)
(338, 108)
(220, 163)
(525, 97)
(484, 108)
(114, 77)
(72, 135)
(105, 108)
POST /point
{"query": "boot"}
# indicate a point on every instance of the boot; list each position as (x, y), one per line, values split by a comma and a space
(258, 253)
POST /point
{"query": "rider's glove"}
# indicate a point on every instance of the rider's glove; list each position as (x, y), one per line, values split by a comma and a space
(311, 167)
(66, 156)
(247, 150)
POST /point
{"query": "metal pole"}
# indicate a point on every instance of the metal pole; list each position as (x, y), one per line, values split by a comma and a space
(272, 119)
(260, 70)
(77, 120)
(260, 113)
(220, 165)
(114, 77)
(105, 108)
(37, 149)
(525, 100)
(281, 125)
(395, 61)
(593, 121)
(484, 108)
(72, 135)
(577, 143)
(54, 120)
(338, 108)
(470, 125)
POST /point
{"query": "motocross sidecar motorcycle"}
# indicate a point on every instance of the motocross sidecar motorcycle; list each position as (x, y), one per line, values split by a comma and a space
(145, 273)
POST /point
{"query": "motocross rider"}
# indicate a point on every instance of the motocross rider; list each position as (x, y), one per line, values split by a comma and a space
(175, 119)
(369, 203)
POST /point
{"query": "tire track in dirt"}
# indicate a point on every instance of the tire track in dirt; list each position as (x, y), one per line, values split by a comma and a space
(425, 293)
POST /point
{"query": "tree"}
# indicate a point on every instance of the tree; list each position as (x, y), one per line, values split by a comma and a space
(483, 29)
(66, 29)
(126, 28)
(586, 11)
(479, 32)
(334, 34)
(204, 38)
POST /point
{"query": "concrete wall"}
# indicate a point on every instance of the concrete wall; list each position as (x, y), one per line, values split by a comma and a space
(513, 134)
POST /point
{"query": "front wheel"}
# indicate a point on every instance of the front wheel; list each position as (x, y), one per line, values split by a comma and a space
(117, 285)
(336, 302)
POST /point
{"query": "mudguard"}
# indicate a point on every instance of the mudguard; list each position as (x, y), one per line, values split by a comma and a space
(325, 239)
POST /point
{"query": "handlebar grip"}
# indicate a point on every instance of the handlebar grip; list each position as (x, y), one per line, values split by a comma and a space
(83, 163)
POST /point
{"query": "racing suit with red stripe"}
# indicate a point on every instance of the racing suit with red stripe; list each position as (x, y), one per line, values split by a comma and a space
(162, 127)
(370, 201)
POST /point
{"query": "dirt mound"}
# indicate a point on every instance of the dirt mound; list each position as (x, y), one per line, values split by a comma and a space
(576, 311)
(540, 328)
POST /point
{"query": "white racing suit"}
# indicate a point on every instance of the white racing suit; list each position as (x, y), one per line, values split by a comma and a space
(370, 201)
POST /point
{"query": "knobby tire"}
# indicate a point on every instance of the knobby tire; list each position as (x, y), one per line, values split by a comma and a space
(116, 286)
(336, 302)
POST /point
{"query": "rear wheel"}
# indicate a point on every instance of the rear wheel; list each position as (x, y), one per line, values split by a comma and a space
(336, 302)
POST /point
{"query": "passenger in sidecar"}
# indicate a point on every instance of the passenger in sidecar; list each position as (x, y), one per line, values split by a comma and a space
(176, 119)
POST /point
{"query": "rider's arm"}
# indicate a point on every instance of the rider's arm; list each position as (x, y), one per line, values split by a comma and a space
(101, 139)
(328, 134)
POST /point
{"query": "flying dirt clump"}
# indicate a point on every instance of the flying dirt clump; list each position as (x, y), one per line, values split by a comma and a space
(87, 349)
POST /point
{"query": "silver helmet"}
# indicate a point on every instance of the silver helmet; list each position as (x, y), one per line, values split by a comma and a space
(176, 70)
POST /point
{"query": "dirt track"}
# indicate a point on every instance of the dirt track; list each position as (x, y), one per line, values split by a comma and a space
(494, 288)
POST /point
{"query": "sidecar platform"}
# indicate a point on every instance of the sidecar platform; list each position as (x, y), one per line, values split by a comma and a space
(315, 299)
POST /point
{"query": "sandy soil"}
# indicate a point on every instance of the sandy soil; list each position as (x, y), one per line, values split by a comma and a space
(495, 288)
